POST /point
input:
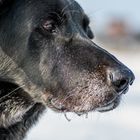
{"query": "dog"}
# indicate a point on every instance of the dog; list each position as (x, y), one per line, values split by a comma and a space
(48, 59)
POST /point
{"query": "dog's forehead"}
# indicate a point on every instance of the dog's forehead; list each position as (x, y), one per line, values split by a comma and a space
(57, 5)
(41, 9)
(70, 5)
(62, 4)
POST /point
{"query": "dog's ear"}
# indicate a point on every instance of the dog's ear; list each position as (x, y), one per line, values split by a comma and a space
(5, 5)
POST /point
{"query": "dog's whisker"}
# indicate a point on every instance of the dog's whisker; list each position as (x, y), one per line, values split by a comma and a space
(12, 92)
(84, 102)
(86, 115)
(65, 115)
(67, 97)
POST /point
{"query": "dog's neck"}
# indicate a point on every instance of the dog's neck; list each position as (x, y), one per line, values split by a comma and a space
(18, 130)
(11, 128)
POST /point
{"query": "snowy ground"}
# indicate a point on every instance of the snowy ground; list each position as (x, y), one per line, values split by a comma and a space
(120, 124)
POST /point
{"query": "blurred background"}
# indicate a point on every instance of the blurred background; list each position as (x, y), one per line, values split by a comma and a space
(116, 25)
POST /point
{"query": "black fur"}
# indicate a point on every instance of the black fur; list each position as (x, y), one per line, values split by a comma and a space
(18, 131)
(48, 59)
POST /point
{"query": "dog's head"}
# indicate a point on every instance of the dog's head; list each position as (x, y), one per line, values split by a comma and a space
(50, 41)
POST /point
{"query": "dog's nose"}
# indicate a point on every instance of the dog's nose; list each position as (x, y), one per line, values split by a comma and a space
(121, 79)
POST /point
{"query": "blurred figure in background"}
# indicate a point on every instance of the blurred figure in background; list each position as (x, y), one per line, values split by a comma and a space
(118, 33)
(117, 28)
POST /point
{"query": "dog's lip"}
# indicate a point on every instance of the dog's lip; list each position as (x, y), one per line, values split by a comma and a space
(106, 108)
(113, 103)
(56, 107)
(110, 105)
(103, 108)
(124, 91)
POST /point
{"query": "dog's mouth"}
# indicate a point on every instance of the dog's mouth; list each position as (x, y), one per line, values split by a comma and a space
(104, 108)
(58, 106)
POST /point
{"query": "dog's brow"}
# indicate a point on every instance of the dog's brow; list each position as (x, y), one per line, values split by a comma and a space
(69, 4)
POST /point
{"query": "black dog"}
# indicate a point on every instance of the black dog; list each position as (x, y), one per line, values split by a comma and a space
(47, 58)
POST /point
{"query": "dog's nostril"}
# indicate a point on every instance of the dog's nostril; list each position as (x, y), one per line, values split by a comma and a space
(120, 84)
(121, 79)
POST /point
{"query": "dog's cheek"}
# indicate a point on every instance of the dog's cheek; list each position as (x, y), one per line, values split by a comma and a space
(14, 107)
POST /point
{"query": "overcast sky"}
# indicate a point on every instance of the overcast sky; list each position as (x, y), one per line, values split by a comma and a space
(101, 10)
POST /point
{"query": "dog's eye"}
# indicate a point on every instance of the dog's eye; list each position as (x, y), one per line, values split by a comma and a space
(49, 26)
